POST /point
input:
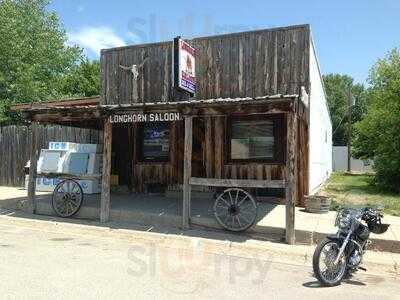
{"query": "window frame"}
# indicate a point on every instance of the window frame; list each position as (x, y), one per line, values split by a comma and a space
(140, 156)
(279, 130)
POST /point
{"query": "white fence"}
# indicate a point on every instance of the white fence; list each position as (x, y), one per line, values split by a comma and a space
(357, 165)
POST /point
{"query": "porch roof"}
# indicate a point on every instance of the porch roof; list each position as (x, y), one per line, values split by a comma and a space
(86, 101)
(197, 104)
(88, 112)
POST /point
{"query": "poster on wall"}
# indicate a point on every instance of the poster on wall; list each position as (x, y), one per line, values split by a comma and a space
(184, 66)
(155, 145)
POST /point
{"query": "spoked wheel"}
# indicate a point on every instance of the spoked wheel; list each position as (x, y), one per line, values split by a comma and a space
(325, 269)
(67, 198)
(235, 209)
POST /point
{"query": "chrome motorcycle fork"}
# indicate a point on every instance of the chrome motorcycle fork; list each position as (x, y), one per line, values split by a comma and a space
(341, 250)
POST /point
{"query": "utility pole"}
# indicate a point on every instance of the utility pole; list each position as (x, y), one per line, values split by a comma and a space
(350, 104)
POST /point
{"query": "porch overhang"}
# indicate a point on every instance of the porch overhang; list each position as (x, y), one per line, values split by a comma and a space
(81, 112)
(89, 114)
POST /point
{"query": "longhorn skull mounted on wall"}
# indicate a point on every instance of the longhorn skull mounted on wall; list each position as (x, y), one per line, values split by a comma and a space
(134, 69)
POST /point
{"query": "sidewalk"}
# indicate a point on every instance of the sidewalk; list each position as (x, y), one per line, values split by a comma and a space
(209, 241)
(310, 228)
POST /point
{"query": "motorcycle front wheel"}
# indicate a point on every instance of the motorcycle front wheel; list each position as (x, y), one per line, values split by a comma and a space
(325, 269)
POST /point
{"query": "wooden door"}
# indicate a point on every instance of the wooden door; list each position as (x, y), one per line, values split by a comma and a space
(198, 163)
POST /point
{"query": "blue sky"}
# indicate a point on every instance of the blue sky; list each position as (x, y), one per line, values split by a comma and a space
(349, 35)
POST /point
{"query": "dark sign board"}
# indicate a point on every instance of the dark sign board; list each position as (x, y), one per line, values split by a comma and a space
(184, 66)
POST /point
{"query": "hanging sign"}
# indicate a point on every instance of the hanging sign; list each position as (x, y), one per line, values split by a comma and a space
(148, 117)
(184, 66)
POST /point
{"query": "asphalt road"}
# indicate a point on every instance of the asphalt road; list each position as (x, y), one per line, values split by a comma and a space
(41, 263)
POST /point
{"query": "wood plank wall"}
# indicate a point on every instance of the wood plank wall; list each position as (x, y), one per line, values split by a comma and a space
(217, 167)
(15, 142)
(171, 173)
(257, 63)
(302, 158)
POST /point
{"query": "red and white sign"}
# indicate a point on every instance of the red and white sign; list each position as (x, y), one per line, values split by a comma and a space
(186, 67)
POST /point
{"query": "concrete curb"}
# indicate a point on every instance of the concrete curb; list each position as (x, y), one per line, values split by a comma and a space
(303, 237)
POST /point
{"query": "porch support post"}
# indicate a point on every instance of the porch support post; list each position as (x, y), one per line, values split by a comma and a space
(187, 171)
(291, 177)
(106, 174)
(31, 207)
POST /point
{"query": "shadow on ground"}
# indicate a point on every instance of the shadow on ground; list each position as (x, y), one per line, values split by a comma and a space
(160, 208)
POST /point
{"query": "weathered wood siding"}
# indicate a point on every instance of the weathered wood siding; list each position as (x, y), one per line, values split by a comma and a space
(216, 165)
(139, 174)
(256, 63)
(15, 143)
(171, 173)
(302, 161)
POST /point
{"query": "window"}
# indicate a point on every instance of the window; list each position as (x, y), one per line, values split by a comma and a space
(255, 139)
(154, 144)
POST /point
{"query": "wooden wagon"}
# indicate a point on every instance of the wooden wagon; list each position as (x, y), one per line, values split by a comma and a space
(68, 194)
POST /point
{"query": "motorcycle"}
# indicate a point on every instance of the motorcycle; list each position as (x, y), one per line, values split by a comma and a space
(340, 255)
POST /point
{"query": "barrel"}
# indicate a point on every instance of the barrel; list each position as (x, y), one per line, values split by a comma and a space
(317, 204)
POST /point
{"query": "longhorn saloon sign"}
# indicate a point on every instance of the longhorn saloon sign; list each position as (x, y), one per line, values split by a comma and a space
(148, 117)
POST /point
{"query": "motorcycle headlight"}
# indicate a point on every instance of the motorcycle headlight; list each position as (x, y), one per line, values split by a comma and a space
(343, 220)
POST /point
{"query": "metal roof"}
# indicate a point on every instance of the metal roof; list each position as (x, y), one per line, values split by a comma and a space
(194, 102)
(98, 109)
(86, 101)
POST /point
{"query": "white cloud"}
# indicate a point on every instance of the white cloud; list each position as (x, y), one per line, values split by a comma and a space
(93, 39)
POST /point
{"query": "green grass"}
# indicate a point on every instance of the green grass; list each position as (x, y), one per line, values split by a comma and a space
(354, 189)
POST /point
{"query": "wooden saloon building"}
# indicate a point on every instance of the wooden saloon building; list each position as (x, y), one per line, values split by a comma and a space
(243, 110)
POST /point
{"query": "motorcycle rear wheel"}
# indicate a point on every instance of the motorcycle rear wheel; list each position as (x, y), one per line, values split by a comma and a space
(325, 254)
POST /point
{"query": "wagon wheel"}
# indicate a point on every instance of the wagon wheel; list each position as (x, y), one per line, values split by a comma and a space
(67, 198)
(235, 209)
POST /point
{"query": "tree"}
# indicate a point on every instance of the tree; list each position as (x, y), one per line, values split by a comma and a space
(378, 134)
(337, 89)
(83, 80)
(33, 54)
